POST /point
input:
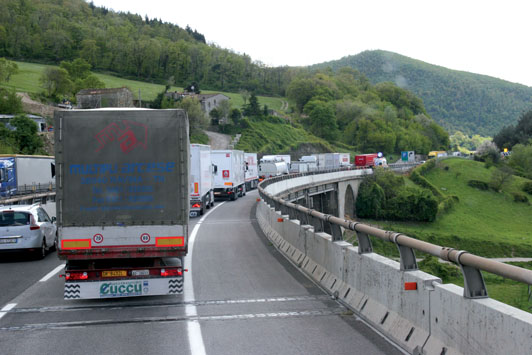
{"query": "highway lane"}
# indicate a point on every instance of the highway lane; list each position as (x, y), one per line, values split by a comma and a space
(248, 299)
(267, 306)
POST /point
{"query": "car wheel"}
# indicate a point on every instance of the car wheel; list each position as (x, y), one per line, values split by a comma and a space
(41, 253)
(56, 243)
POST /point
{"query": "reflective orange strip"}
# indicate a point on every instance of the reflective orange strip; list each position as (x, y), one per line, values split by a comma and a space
(169, 241)
(196, 188)
(228, 183)
(76, 244)
(410, 286)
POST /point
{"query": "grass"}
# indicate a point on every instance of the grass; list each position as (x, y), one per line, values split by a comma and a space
(274, 136)
(27, 80)
(486, 223)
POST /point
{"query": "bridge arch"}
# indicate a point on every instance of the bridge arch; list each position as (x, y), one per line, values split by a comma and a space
(347, 196)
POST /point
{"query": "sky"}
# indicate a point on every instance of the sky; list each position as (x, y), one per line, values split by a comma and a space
(484, 37)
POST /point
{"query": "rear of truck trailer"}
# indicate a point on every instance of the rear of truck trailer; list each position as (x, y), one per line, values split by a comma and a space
(122, 201)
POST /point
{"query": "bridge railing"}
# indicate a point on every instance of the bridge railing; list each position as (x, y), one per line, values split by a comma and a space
(471, 265)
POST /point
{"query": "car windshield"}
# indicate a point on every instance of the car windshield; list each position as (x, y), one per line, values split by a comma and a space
(14, 218)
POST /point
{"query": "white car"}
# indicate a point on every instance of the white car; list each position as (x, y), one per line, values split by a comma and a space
(27, 228)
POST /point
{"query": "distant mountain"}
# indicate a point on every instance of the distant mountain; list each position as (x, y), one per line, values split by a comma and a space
(456, 100)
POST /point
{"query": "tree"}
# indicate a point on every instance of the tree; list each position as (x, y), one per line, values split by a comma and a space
(245, 96)
(301, 91)
(56, 82)
(253, 108)
(196, 117)
(7, 69)
(25, 135)
(224, 109)
(322, 119)
(521, 160)
(501, 176)
(77, 69)
(10, 103)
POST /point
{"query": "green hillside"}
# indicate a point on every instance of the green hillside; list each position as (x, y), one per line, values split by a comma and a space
(467, 102)
(486, 223)
(275, 136)
(27, 80)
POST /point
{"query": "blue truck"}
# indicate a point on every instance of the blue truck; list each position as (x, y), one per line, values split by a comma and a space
(22, 174)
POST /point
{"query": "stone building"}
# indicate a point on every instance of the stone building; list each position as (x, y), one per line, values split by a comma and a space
(207, 101)
(97, 98)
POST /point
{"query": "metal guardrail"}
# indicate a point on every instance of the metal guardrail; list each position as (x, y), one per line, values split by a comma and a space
(471, 265)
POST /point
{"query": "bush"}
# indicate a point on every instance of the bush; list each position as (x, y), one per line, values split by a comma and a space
(478, 184)
(371, 200)
(413, 204)
(527, 187)
(519, 197)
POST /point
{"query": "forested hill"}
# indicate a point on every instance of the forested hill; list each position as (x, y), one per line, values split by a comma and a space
(51, 31)
(471, 103)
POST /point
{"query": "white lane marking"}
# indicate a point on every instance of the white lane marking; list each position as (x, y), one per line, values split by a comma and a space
(6, 309)
(52, 273)
(195, 339)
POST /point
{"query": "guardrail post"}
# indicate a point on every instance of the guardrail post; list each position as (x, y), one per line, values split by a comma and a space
(336, 232)
(408, 257)
(364, 243)
(303, 217)
(474, 285)
(317, 223)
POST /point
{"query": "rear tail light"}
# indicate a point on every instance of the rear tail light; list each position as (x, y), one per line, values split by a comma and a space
(172, 272)
(76, 276)
(33, 224)
(196, 205)
(229, 192)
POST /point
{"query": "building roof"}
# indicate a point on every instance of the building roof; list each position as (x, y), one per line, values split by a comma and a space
(101, 91)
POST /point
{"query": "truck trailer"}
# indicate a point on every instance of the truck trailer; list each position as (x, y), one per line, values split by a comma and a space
(229, 180)
(252, 171)
(201, 179)
(22, 174)
(122, 201)
(330, 161)
(365, 160)
(270, 169)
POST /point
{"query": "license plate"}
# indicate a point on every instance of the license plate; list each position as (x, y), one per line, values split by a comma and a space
(8, 241)
(217, 193)
(114, 273)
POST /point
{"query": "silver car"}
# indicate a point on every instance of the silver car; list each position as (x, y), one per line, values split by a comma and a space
(26, 228)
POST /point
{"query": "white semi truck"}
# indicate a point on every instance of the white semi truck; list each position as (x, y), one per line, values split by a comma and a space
(229, 179)
(270, 169)
(122, 201)
(252, 171)
(201, 179)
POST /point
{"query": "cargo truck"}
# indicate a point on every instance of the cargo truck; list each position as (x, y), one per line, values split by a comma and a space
(122, 201)
(270, 169)
(365, 160)
(22, 174)
(201, 179)
(252, 171)
(229, 180)
(330, 161)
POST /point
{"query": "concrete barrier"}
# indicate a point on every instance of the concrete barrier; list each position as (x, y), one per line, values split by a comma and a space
(424, 318)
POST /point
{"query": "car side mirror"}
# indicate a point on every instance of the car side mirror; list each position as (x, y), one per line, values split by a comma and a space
(54, 219)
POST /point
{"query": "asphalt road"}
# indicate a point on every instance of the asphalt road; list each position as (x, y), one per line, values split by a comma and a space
(241, 297)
